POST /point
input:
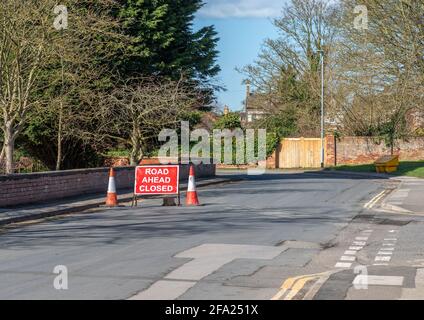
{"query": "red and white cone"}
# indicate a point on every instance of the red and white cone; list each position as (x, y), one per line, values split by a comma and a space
(192, 199)
(112, 197)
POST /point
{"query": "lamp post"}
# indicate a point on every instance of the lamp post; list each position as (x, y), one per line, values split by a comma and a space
(322, 111)
(60, 23)
(246, 104)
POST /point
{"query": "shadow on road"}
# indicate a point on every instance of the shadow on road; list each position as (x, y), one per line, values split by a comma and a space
(263, 204)
(282, 175)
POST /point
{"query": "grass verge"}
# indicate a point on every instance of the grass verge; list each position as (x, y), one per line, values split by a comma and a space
(406, 168)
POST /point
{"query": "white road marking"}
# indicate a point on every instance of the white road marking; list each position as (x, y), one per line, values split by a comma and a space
(347, 258)
(387, 253)
(207, 259)
(380, 264)
(343, 265)
(350, 252)
(164, 290)
(359, 243)
(378, 280)
(403, 192)
(380, 258)
(361, 238)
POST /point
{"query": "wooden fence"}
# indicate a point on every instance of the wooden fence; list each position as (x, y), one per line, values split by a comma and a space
(299, 153)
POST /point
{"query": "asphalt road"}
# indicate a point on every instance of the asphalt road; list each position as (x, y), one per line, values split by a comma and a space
(244, 242)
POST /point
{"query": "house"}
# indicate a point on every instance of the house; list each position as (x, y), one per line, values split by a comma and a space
(256, 106)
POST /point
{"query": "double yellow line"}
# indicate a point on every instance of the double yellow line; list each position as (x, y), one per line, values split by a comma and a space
(376, 199)
(292, 286)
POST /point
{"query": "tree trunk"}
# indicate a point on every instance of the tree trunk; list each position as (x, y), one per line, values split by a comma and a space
(59, 139)
(60, 126)
(136, 152)
(133, 160)
(9, 146)
(135, 156)
(2, 154)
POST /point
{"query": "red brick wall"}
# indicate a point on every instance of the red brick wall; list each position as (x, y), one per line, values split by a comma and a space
(330, 151)
(19, 189)
(365, 150)
(272, 161)
(117, 162)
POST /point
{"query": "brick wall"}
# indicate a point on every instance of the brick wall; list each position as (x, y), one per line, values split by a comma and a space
(22, 189)
(330, 151)
(272, 161)
(117, 162)
(366, 150)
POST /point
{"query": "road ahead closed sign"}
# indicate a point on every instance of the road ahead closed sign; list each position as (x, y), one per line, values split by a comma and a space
(157, 180)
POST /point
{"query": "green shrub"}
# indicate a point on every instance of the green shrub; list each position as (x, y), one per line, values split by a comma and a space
(229, 121)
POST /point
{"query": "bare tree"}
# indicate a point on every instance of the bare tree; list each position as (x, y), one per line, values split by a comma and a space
(25, 28)
(48, 71)
(135, 112)
(286, 74)
(380, 74)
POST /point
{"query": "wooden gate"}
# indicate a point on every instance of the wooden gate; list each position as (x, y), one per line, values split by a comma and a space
(299, 153)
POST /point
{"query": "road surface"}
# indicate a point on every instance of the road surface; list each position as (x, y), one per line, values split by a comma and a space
(275, 236)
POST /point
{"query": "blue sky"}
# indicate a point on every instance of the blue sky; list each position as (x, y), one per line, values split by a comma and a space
(242, 25)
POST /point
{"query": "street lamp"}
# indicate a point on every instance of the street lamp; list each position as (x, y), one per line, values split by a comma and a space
(322, 110)
(60, 24)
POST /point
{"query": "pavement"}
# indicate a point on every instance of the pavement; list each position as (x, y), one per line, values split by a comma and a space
(314, 235)
(407, 197)
(404, 195)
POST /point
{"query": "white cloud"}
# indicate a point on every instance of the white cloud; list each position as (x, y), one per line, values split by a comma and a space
(241, 8)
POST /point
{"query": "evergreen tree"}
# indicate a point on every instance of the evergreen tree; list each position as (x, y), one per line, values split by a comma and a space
(165, 42)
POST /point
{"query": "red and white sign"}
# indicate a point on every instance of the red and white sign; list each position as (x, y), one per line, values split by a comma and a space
(157, 180)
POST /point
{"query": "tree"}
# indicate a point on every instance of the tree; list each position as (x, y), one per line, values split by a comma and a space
(286, 73)
(165, 44)
(78, 67)
(228, 121)
(25, 38)
(108, 43)
(380, 69)
(135, 112)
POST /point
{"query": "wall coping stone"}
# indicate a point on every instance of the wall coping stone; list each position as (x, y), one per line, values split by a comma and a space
(62, 173)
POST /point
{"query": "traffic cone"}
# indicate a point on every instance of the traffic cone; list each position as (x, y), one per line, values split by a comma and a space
(192, 199)
(112, 197)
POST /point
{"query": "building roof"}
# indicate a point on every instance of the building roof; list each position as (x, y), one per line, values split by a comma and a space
(257, 102)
